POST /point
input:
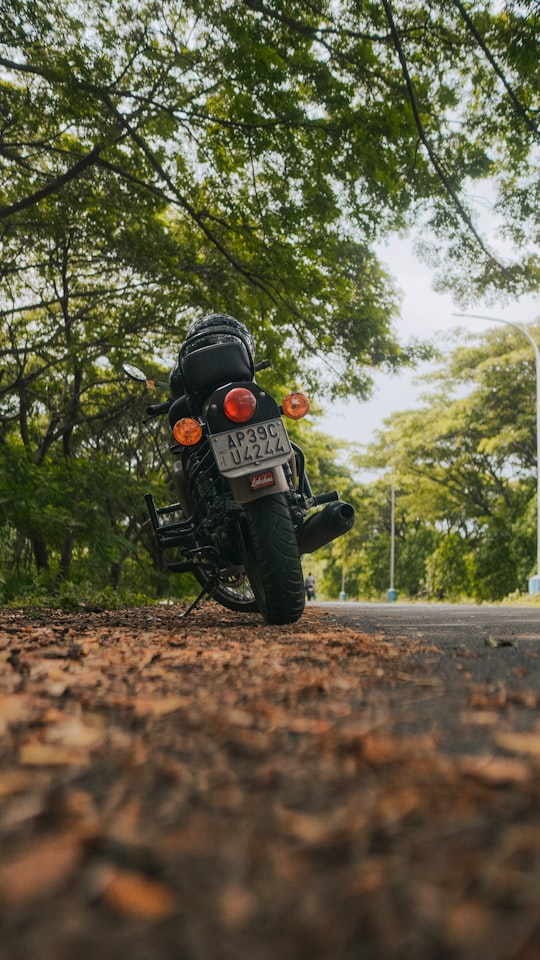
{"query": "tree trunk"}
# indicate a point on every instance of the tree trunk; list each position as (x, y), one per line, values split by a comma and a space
(114, 576)
(65, 556)
(41, 552)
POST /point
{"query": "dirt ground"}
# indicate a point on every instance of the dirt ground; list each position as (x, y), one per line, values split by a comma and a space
(219, 789)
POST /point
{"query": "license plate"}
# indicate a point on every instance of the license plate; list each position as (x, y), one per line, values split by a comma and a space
(238, 451)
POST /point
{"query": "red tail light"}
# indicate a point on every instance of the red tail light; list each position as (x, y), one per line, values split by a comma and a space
(239, 405)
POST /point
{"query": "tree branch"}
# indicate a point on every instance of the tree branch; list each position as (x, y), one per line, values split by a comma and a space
(435, 160)
(521, 109)
(177, 198)
(53, 186)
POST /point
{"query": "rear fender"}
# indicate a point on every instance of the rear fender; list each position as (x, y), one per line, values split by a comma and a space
(267, 408)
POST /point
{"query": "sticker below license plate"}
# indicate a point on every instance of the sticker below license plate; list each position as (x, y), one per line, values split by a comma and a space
(258, 481)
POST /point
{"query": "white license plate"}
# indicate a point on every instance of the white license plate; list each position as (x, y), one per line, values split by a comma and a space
(239, 451)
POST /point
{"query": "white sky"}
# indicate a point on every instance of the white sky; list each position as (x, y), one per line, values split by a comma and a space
(423, 314)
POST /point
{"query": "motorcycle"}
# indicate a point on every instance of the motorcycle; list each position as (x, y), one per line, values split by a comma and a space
(240, 523)
(309, 587)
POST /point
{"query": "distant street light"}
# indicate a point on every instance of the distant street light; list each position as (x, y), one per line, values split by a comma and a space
(534, 582)
(392, 593)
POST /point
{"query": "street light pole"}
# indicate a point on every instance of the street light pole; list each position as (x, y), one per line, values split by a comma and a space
(392, 592)
(534, 582)
(392, 537)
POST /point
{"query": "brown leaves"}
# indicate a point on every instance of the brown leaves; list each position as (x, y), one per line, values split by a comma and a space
(135, 895)
(528, 743)
(15, 708)
(222, 788)
(41, 870)
(157, 706)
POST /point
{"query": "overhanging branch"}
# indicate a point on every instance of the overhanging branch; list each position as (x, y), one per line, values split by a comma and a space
(53, 186)
(436, 161)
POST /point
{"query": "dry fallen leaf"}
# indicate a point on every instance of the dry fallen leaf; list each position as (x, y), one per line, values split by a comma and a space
(73, 732)
(237, 904)
(15, 708)
(158, 706)
(468, 924)
(519, 742)
(40, 870)
(135, 895)
(49, 754)
(14, 781)
(495, 769)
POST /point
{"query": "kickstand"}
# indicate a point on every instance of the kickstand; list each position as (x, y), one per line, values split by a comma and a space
(205, 592)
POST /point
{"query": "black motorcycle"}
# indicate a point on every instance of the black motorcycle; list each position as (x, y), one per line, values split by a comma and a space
(240, 523)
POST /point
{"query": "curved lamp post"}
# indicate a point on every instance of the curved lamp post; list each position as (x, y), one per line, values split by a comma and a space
(534, 582)
(392, 592)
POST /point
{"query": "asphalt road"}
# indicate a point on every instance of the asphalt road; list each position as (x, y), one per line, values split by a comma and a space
(448, 624)
(466, 675)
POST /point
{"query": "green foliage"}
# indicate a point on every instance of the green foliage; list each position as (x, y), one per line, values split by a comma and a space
(162, 160)
(247, 155)
(203, 177)
(464, 469)
(364, 554)
(448, 573)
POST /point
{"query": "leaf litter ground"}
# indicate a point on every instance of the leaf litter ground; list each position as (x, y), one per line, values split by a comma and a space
(220, 789)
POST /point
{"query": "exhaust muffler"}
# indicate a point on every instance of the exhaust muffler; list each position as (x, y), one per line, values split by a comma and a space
(336, 519)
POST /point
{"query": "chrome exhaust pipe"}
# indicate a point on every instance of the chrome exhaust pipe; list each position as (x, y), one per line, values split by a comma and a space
(336, 519)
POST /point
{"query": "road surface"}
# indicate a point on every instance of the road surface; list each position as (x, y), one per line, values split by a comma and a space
(449, 624)
(466, 675)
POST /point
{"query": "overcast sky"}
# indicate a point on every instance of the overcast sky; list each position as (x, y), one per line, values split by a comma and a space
(423, 314)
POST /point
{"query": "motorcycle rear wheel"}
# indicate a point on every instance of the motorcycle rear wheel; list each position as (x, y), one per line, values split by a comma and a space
(238, 597)
(272, 560)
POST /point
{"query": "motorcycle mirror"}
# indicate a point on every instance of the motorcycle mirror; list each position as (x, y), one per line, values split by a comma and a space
(134, 372)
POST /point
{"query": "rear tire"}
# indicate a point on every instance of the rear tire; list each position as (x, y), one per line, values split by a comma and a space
(272, 560)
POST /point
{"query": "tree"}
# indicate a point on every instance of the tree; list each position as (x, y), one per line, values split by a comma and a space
(284, 138)
(465, 468)
(209, 140)
(160, 160)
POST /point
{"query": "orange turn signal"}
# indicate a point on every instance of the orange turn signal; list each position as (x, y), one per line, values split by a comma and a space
(239, 405)
(187, 431)
(295, 405)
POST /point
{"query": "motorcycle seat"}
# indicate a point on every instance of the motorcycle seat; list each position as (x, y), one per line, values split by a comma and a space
(216, 364)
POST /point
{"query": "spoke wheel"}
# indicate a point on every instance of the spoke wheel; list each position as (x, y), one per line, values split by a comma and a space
(234, 592)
